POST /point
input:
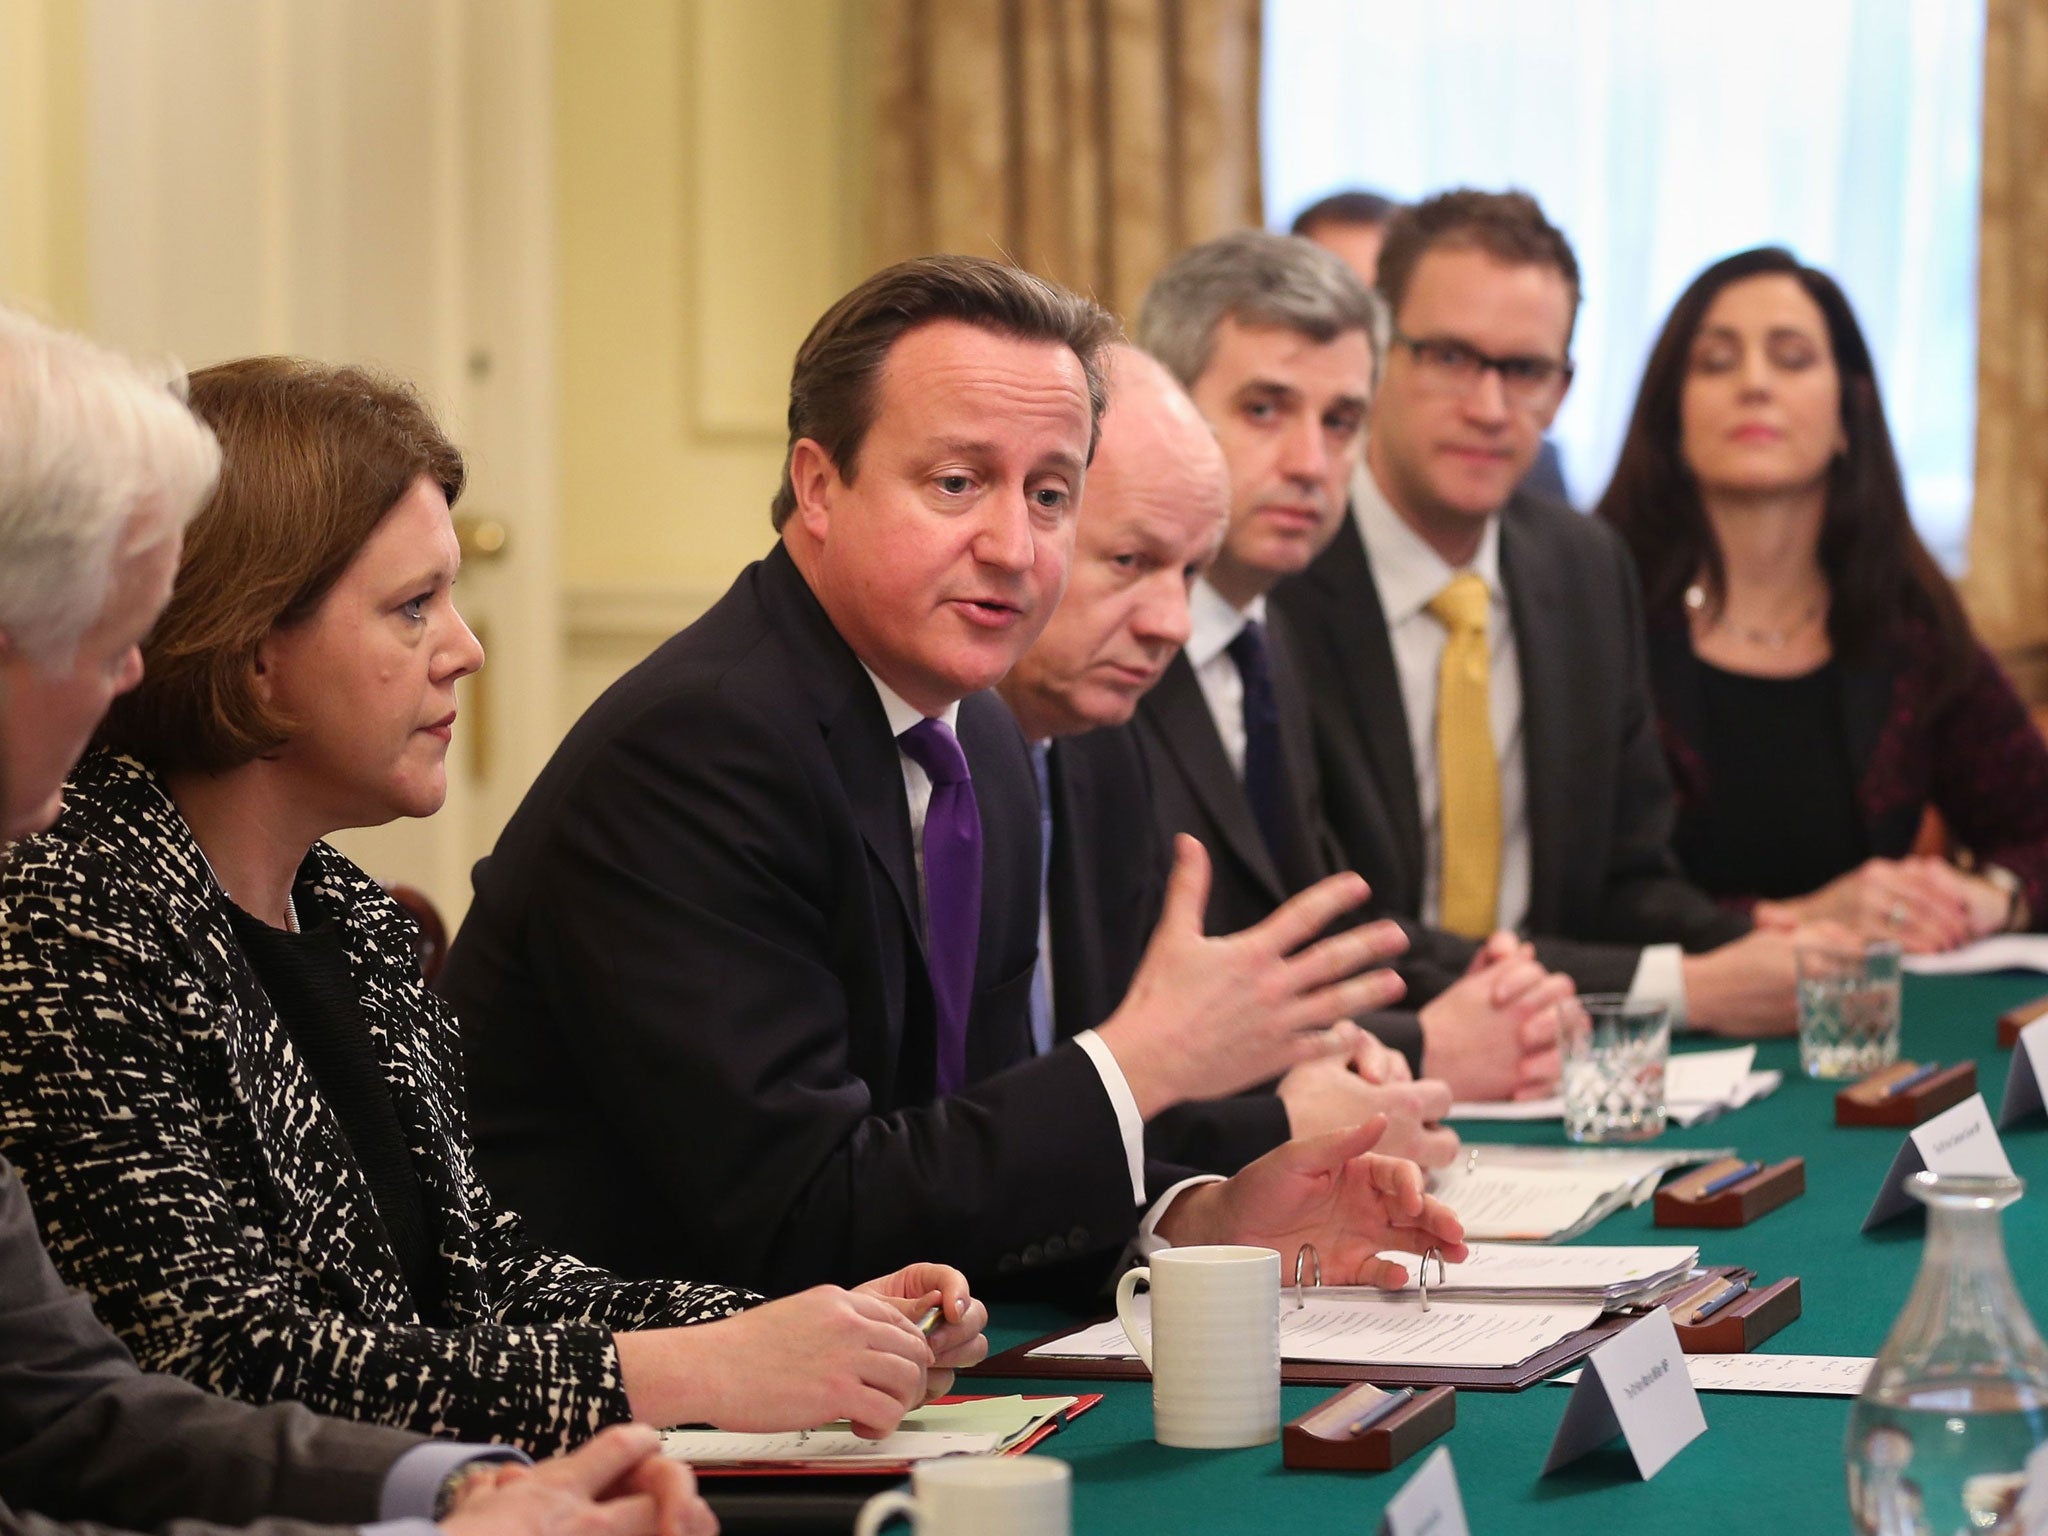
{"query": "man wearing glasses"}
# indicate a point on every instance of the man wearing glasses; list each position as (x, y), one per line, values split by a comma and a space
(1273, 339)
(1474, 651)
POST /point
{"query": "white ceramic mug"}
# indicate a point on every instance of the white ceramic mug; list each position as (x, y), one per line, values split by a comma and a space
(1214, 1344)
(978, 1496)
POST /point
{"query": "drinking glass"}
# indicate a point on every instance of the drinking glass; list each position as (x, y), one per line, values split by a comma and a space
(1848, 1008)
(1614, 1055)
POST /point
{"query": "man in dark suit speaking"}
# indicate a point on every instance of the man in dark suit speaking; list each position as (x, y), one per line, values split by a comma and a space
(745, 985)
(1475, 652)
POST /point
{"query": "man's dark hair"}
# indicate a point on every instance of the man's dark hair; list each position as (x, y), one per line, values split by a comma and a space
(1355, 205)
(833, 385)
(1508, 226)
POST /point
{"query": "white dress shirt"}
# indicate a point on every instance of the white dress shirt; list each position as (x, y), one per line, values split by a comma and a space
(917, 788)
(1408, 573)
(1213, 624)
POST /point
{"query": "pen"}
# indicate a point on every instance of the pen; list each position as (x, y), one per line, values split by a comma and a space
(1707, 1309)
(931, 1319)
(1379, 1410)
(1730, 1179)
(1912, 1079)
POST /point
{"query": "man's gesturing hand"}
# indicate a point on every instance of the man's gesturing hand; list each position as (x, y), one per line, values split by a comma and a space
(1206, 1017)
(1332, 1191)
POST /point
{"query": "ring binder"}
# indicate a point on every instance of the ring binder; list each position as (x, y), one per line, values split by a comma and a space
(1302, 1255)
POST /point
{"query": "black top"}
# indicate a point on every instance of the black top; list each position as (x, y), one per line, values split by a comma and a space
(307, 977)
(1782, 819)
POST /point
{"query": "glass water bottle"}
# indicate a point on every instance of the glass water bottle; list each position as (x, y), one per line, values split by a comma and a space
(1939, 1436)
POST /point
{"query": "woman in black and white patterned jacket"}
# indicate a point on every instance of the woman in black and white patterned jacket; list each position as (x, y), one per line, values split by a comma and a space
(237, 1108)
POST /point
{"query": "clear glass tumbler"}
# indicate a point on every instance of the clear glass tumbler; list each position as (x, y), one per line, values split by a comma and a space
(1848, 1008)
(1614, 1055)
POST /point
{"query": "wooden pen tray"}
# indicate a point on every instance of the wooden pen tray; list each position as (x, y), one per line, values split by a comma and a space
(1677, 1204)
(1740, 1326)
(2013, 1020)
(1425, 1417)
(1866, 1103)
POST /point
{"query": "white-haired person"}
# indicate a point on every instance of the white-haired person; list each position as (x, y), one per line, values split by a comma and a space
(236, 1105)
(101, 467)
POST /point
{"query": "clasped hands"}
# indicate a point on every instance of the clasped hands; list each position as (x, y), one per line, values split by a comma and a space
(1926, 904)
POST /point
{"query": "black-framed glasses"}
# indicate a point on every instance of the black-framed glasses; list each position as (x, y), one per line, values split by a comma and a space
(1449, 367)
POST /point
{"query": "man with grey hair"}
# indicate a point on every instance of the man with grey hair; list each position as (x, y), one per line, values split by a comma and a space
(101, 468)
(1273, 338)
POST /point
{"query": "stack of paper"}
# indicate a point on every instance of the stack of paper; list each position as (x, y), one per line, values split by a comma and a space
(1362, 1327)
(1611, 1278)
(2000, 952)
(1514, 1194)
(1698, 1085)
(977, 1426)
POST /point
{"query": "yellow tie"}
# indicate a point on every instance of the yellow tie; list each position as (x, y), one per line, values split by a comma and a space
(1466, 767)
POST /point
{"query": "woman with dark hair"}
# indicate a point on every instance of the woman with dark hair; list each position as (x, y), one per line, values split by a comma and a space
(236, 1105)
(1817, 683)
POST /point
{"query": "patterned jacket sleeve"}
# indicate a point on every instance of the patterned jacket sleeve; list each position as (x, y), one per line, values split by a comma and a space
(115, 1147)
(1990, 780)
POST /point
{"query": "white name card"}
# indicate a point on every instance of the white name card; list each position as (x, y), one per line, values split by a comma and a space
(1429, 1504)
(1960, 1140)
(1635, 1385)
(2023, 1084)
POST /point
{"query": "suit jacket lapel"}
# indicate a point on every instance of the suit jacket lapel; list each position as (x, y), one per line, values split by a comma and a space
(1073, 901)
(1308, 856)
(1354, 626)
(1536, 589)
(1181, 716)
(856, 731)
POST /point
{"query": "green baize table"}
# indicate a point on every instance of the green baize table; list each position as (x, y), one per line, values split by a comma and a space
(1765, 1464)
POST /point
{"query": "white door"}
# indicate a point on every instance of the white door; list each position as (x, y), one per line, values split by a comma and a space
(368, 182)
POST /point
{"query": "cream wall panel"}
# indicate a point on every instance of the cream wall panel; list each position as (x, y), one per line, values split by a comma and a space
(42, 179)
(361, 180)
(711, 207)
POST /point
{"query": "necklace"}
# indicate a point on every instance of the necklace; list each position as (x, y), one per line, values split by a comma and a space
(291, 907)
(1769, 639)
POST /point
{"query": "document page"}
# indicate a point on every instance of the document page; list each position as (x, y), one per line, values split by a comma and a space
(1517, 1194)
(975, 1424)
(1596, 1271)
(2000, 952)
(1697, 1086)
(716, 1447)
(1356, 1329)
(1500, 1202)
(1801, 1375)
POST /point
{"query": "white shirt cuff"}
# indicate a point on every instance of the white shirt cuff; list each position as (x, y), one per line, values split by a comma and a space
(1660, 978)
(1148, 1241)
(1129, 1122)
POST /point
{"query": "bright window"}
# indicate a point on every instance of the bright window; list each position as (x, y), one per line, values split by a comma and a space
(1661, 135)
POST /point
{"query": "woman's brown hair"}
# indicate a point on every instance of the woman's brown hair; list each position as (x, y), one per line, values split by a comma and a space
(314, 457)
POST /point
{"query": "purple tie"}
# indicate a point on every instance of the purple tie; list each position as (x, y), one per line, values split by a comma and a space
(952, 888)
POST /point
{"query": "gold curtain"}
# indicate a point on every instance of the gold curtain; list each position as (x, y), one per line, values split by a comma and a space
(1086, 140)
(2008, 581)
